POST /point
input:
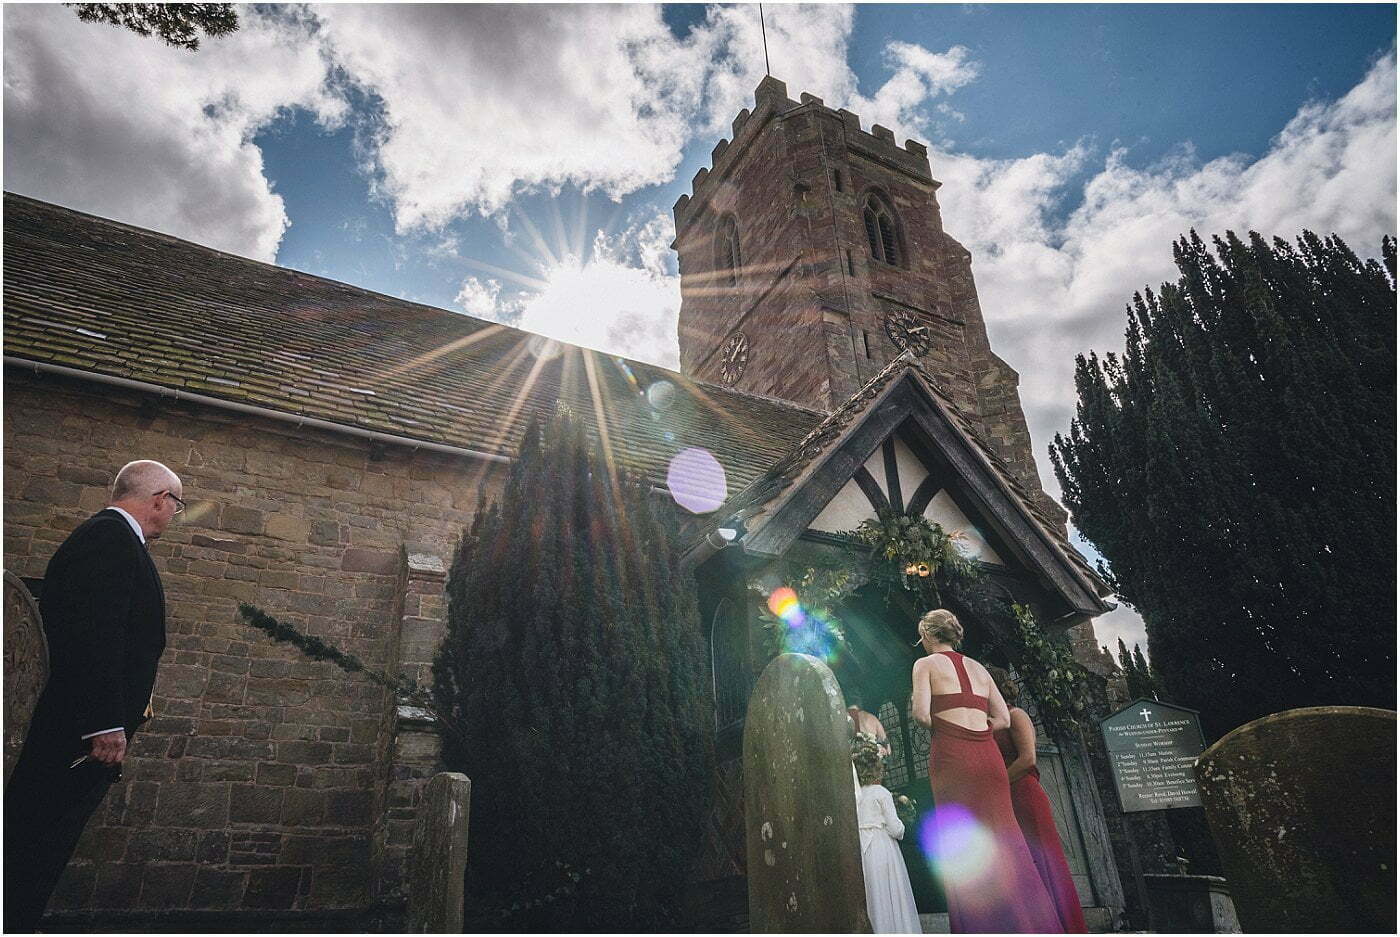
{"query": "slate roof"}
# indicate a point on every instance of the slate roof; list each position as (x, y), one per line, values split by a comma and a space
(100, 296)
(104, 297)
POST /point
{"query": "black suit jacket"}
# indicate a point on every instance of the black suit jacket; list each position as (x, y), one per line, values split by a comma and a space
(104, 615)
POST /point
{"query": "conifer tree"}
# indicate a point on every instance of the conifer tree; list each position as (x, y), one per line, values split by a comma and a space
(1147, 677)
(1141, 683)
(1236, 468)
(175, 24)
(574, 662)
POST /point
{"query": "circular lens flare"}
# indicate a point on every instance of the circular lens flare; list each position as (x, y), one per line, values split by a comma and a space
(661, 395)
(696, 481)
(960, 847)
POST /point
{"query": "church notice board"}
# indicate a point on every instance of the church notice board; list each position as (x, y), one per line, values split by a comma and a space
(1152, 747)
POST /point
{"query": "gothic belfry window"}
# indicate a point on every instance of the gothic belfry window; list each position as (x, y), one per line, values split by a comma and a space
(727, 251)
(880, 230)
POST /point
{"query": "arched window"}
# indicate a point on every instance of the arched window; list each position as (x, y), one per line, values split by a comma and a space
(881, 230)
(729, 664)
(727, 258)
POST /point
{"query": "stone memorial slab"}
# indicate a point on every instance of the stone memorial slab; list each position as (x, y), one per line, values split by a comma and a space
(1152, 747)
(1301, 805)
(439, 858)
(804, 867)
(26, 665)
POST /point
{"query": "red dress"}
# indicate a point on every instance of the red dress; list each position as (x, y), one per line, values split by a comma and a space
(1038, 824)
(976, 846)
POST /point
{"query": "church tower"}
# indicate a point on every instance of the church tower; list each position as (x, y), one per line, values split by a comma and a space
(812, 253)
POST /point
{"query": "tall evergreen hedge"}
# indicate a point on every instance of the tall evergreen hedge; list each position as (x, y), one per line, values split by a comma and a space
(574, 661)
(1236, 468)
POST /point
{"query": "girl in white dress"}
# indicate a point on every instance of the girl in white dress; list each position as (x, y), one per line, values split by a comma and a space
(889, 899)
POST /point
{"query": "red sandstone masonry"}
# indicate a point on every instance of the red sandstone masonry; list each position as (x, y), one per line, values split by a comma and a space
(807, 275)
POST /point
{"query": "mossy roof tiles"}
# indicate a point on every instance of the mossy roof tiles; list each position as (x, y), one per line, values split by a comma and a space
(179, 315)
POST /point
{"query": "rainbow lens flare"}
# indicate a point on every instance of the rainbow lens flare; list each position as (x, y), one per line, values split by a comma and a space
(806, 633)
(783, 602)
(961, 849)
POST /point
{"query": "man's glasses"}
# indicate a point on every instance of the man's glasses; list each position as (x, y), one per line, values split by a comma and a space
(179, 505)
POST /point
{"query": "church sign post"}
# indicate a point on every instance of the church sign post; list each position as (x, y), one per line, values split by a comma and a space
(1152, 747)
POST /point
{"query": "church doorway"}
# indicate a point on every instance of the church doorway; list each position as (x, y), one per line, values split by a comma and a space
(874, 673)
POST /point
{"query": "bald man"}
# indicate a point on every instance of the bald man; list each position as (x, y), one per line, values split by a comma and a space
(104, 616)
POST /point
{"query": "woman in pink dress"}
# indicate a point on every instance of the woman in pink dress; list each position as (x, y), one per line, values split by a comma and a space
(977, 848)
(1017, 744)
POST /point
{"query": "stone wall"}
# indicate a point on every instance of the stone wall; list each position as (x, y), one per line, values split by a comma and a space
(265, 780)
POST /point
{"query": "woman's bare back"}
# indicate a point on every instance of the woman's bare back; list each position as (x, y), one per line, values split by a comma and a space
(943, 679)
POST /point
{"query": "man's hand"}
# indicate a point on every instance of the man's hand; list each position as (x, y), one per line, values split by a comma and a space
(109, 747)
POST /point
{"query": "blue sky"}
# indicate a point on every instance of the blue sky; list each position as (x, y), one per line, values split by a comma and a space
(519, 163)
(1223, 79)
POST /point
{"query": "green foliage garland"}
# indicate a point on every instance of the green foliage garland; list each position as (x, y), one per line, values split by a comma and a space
(914, 554)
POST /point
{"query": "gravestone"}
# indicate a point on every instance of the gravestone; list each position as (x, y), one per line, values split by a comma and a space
(1301, 805)
(439, 858)
(26, 665)
(804, 866)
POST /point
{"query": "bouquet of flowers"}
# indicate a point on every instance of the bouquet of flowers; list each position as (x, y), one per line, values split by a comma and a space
(906, 807)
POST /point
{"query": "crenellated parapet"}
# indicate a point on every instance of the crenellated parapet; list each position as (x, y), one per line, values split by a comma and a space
(771, 102)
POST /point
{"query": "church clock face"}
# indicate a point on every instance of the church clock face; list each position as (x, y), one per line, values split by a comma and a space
(907, 332)
(733, 358)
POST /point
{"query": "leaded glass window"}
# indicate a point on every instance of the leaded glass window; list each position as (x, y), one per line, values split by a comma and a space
(897, 765)
(918, 742)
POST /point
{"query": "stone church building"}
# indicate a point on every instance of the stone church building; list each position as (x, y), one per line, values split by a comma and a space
(334, 443)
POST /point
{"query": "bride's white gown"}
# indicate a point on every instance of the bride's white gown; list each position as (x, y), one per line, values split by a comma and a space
(888, 897)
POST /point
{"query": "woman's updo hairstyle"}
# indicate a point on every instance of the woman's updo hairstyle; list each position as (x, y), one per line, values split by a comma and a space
(941, 625)
(1009, 690)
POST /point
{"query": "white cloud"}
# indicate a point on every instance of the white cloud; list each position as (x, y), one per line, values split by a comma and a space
(122, 126)
(482, 298)
(481, 103)
(1123, 622)
(484, 103)
(808, 46)
(1049, 291)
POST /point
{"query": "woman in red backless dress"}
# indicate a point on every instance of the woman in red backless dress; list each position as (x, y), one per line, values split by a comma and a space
(977, 848)
(1017, 744)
